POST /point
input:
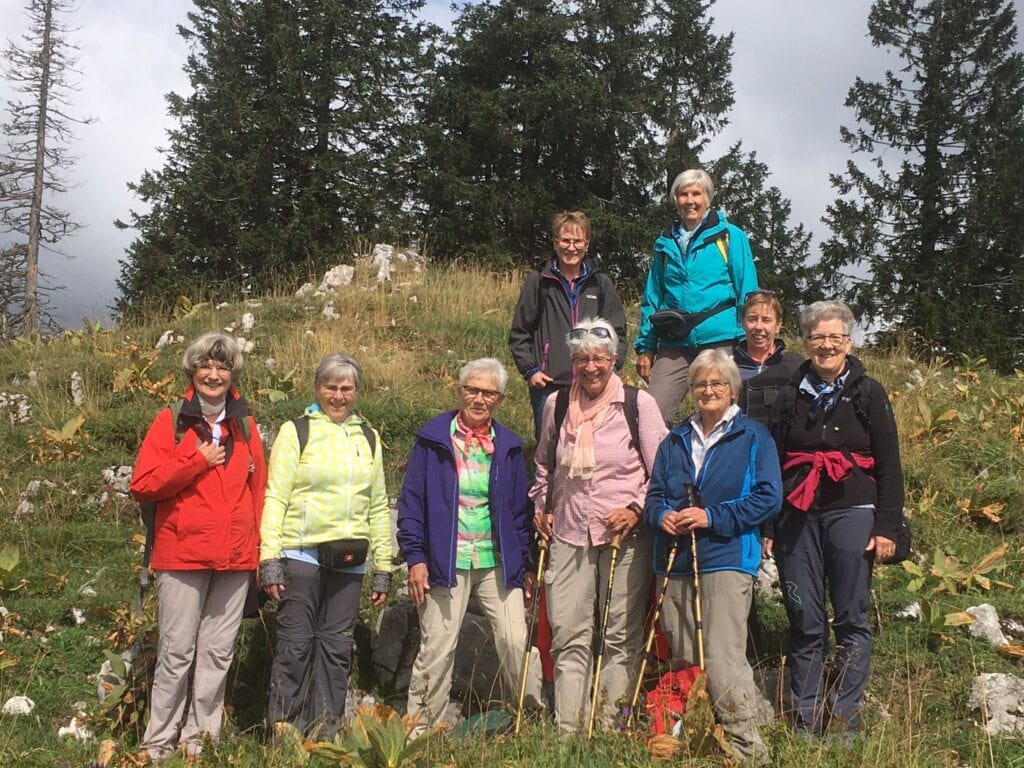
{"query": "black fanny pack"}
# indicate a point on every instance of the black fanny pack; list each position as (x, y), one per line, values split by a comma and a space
(676, 325)
(343, 553)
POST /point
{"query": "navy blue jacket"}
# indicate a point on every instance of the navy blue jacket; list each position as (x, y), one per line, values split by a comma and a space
(428, 508)
(739, 485)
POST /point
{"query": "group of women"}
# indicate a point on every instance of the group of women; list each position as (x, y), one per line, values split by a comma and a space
(782, 455)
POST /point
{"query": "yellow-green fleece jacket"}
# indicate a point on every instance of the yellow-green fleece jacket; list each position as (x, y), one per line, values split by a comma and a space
(335, 490)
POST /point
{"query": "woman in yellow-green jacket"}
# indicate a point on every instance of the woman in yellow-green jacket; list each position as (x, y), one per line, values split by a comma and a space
(325, 511)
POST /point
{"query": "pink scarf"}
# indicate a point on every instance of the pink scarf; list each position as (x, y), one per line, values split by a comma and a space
(585, 414)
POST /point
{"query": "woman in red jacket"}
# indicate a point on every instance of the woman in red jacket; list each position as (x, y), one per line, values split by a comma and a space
(206, 474)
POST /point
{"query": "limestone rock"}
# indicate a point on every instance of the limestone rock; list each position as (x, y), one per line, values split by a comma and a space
(986, 624)
(18, 705)
(999, 698)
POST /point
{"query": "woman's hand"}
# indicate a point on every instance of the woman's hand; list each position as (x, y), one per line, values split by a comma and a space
(274, 591)
(539, 380)
(419, 583)
(214, 455)
(884, 548)
(529, 588)
(644, 363)
(767, 547)
(669, 523)
(621, 520)
(691, 519)
(377, 599)
(542, 524)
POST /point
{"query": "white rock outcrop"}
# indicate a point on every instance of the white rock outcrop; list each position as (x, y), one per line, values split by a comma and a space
(18, 705)
(986, 624)
(999, 700)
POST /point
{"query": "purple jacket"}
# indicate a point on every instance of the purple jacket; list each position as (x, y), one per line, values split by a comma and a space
(429, 504)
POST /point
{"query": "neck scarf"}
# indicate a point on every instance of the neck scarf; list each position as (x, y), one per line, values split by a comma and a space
(585, 414)
(211, 409)
(481, 435)
(824, 395)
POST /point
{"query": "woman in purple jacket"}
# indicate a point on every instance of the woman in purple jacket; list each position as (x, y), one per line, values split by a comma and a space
(464, 528)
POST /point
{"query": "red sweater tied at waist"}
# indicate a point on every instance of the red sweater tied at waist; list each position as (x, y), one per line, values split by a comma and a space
(832, 463)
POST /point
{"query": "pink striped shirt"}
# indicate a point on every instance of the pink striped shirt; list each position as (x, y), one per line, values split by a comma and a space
(619, 478)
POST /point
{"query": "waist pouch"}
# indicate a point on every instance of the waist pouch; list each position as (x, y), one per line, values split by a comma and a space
(343, 553)
(676, 325)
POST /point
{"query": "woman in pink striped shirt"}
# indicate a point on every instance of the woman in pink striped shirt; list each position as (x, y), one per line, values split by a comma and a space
(598, 440)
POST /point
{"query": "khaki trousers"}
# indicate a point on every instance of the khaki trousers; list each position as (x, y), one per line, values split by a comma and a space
(670, 376)
(576, 583)
(199, 616)
(441, 617)
(725, 605)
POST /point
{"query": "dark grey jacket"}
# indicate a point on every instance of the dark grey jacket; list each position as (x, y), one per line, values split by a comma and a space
(548, 310)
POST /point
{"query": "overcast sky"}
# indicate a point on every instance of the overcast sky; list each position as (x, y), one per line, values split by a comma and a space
(793, 62)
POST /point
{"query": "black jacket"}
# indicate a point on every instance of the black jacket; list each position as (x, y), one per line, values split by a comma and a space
(842, 427)
(761, 383)
(546, 313)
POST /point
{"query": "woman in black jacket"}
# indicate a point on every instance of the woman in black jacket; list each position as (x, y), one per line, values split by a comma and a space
(843, 481)
(554, 298)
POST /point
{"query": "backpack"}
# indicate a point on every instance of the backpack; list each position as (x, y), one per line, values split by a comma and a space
(666, 702)
(302, 432)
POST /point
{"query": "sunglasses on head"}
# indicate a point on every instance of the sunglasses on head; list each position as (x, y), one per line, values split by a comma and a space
(601, 333)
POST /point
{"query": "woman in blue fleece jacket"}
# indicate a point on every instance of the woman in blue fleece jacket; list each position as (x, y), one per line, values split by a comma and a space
(731, 463)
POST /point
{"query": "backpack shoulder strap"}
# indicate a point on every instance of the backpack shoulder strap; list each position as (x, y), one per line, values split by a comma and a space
(861, 401)
(371, 438)
(301, 425)
(632, 409)
(722, 241)
(561, 408)
(175, 406)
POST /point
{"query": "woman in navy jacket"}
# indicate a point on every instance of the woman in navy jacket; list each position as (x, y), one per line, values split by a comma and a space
(732, 465)
(464, 527)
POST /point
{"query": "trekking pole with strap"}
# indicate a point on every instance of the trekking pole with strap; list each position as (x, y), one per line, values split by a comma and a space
(698, 621)
(615, 545)
(672, 552)
(531, 626)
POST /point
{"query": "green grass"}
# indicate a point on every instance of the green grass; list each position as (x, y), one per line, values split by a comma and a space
(411, 351)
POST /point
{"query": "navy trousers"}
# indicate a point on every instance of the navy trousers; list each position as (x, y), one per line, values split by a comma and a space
(818, 552)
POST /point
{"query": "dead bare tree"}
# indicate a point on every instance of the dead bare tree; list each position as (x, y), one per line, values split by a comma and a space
(35, 164)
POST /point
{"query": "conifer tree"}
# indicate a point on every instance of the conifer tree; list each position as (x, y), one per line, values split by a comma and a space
(925, 233)
(294, 142)
(33, 168)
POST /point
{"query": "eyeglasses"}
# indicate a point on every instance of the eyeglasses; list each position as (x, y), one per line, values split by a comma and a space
(599, 333)
(835, 339)
(598, 360)
(761, 293)
(715, 386)
(489, 395)
(209, 367)
(566, 242)
(338, 389)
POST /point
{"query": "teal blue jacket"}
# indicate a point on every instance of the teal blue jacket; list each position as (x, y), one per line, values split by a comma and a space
(699, 280)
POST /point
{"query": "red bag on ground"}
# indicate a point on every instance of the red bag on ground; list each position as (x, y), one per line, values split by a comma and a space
(666, 702)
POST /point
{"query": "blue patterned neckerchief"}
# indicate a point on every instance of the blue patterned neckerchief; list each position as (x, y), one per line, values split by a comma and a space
(823, 395)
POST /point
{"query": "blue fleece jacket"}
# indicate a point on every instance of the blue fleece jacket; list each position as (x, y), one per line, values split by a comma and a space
(428, 507)
(698, 280)
(739, 485)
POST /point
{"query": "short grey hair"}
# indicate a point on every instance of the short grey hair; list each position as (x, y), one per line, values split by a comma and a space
(693, 176)
(820, 311)
(717, 360)
(215, 346)
(337, 366)
(485, 367)
(590, 343)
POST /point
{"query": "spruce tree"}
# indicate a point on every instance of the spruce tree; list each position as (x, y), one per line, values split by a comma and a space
(544, 105)
(925, 233)
(293, 143)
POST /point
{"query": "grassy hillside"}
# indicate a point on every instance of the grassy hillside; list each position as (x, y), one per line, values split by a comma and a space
(78, 547)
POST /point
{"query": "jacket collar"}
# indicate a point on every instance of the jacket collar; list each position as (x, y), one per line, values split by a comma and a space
(235, 406)
(744, 360)
(438, 431)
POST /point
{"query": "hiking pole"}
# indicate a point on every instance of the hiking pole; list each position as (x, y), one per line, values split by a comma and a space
(698, 621)
(531, 626)
(615, 545)
(672, 552)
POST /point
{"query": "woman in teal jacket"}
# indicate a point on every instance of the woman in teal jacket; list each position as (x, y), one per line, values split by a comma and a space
(700, 275)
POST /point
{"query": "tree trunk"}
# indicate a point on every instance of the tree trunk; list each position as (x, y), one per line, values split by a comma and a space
(35, 214)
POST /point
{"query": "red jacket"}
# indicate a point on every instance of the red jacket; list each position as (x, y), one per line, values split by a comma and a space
(205, 517)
